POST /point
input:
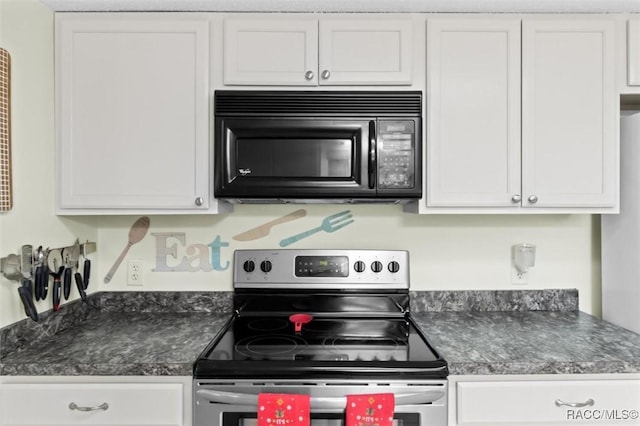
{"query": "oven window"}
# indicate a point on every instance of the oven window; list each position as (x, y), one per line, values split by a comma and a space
(317, 419)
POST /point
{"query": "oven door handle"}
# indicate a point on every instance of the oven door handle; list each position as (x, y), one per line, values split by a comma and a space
(318, 403)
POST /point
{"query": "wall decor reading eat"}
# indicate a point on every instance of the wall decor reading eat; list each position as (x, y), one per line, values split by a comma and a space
(175, 254)
(6, 192)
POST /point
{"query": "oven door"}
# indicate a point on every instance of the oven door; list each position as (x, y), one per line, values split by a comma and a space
(288, 157)
(216, 405)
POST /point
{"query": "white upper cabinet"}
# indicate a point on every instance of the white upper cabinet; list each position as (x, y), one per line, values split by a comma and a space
(473, 124)
(365, 52)
(132, 96)
(311, 52)
(265, 51)
(633, 52)
(569, 114)
(538, 139)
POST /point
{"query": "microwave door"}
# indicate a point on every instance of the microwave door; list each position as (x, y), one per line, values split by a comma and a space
(293, 158)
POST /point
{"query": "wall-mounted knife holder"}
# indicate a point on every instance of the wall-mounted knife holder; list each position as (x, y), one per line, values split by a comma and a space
(12, 266)
(40, 265)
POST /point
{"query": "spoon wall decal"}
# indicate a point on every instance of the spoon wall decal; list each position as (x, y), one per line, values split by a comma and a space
(136, 234)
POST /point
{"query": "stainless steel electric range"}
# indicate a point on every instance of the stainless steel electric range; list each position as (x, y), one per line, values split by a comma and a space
(326, 323)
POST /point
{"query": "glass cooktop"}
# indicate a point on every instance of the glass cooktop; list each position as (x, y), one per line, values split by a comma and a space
(269, 345)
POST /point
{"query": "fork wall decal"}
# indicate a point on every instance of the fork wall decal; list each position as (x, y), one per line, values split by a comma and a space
(329, 224)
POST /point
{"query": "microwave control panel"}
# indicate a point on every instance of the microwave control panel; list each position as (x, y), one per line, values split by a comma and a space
(396, 146)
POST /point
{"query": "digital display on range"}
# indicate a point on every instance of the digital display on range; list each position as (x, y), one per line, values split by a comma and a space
(322, 266)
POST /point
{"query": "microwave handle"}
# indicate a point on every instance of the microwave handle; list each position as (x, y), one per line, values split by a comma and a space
(317, 403)
(373, 154)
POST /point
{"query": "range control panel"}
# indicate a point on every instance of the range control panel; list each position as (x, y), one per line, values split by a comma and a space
(321, 269)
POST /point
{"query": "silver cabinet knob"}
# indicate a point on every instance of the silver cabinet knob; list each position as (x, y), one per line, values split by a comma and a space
(516, 198)
(533, 199)
(199, 201)
(326, 74)
(309, 75)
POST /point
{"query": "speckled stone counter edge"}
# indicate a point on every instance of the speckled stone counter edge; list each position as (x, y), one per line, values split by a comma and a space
(495, 300)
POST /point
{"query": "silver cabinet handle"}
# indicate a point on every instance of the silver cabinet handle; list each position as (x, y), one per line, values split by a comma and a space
(533, 199)
(326, 74)
(309, 75)
(516, 198)
(588, 403)
(102, 407)
(199, 201)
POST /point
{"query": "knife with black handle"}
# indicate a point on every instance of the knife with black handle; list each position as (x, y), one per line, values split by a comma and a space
(27, 300)
(38, 282)
(44, 279)
(67, 283)
(56, 288)
(86, 273)
(80, 286)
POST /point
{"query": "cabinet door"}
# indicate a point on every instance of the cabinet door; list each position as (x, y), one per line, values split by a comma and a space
(633, 52)
(271, 52)
(600, 402)
(473, 113)
(569, 113)
(132, 110)
(112, 404)
(362, 52)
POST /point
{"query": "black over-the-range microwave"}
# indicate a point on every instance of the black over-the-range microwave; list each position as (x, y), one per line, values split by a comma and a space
(306, 146)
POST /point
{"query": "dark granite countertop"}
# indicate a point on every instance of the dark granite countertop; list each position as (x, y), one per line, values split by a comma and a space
(530, 342)
(137, 334)
(116, 334)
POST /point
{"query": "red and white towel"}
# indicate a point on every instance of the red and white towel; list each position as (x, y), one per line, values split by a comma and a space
(278, 409)
(370, 410)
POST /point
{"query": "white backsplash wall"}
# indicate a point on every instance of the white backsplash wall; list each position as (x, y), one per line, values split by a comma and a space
(447, 252)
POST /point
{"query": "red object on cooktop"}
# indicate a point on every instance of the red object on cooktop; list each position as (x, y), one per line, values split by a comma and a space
(299, 319)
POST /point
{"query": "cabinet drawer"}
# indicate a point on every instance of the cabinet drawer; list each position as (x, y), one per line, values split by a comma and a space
(534, 402)
(128, 404)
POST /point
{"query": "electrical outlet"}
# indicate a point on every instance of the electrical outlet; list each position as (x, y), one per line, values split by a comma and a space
(134, 272)
(519, 279)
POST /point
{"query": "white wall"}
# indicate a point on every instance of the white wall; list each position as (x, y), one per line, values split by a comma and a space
(447, 252)
(26, 31)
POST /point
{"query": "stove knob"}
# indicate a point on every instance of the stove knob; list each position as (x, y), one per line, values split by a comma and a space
(249, 266)
(376, 266)
(266, 266)
(393, 266)
(359, 266)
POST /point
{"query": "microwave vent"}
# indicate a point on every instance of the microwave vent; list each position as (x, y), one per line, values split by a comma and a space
(317, 103)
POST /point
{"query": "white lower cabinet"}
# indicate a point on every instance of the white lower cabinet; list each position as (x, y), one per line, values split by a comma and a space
(521, 402)
(108, 403)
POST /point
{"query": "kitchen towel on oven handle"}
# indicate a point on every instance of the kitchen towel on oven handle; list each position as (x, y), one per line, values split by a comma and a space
(275, 409)
(370, 410)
